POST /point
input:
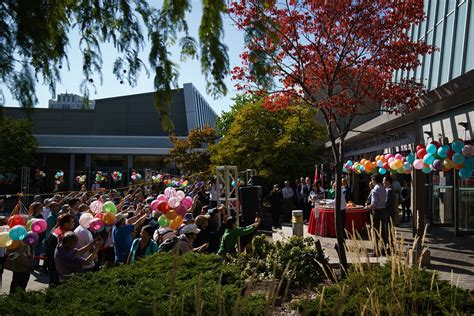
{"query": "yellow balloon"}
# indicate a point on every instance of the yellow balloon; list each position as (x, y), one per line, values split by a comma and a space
(13, 244)
(4, 239)
(174, 224)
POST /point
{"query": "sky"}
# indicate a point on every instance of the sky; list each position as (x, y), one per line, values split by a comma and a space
(190, 71)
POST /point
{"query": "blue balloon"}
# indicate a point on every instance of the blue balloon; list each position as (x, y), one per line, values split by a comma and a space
(469, 163)
(431, 149)
(410, 158)
(362, 168)
(458, 158)
(18, 232)
(382, 171)
(443, 151)
(407, 166)
(426, 169)
(349, 163)
(344, 169)
(457, 146)
(428, 158)
(465, 173)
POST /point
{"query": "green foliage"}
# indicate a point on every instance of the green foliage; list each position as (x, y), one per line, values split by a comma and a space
(225, 120)
(192, 154)
(34, 41)
(279, 145)
(144, 288)
(268, 260)
(17, 144)
(413, 291)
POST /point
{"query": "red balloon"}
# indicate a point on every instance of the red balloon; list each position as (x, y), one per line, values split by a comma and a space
(99, 215)
(163, 206)
(421, 153)
(450, 154)
(437, 144)
(420, 146)
(16, 220)
(386, 166)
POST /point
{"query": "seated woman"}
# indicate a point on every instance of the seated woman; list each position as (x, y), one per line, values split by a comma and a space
(232, 232)
(68, 259)
(143, 246)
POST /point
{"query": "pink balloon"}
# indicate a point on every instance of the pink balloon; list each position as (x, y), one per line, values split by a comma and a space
(96, 224)
(388, 156)
(418, 164)
(187, 202)
(154, 205)
(162, 197)
(391, 159)
(38, 226)
(180, 195)
(398, 156)
(181, 210)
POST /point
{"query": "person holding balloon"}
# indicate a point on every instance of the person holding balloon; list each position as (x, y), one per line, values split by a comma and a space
(68, 258)
(84, 238)
(122, 235)
(19, 260)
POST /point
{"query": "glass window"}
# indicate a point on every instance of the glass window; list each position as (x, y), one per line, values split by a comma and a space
(466, 204)
(470, 43)
(446, 49)
(440, 12)
(459, 40)
(436, 58)
(432, 14)
(442, 197)
(427, 60)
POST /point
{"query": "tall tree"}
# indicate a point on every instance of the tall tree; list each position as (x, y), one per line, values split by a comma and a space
(279, 145)
(17, 145)
(337, 56)
(225, 120)
(192, 154)
(34, 41)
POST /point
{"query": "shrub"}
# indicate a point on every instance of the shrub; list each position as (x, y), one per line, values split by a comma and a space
(201, 283)
(413, 291)
(269, 260)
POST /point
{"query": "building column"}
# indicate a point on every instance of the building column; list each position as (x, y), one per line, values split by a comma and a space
(88, 170)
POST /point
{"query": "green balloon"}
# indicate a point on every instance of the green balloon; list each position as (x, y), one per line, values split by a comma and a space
(163, 221)
(109, 207)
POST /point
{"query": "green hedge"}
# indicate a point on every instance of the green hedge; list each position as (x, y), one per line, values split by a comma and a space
(413, 292)
(144, 288)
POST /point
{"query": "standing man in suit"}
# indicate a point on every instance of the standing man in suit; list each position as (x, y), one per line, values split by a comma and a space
(306, 202)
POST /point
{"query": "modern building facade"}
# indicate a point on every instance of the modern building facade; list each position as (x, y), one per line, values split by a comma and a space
(446, 113)
(120, 134)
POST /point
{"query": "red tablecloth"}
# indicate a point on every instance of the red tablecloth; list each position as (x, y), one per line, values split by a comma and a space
(324, 225)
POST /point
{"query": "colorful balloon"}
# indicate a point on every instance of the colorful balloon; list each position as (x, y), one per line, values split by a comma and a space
(180, 195)
(181, 210)
(382, 171)
(438, 165)
(469, 163)
(38, 226)
(421, 153)
(410, 158)
(154, 205)
(174, 202)
(16, 220)
(109, 207)
(163, 221)
(109, 218)
(96, 224)
(458, 158)
(176, 222)
(457, 146)
(96, 207)
(407, 166)
(85, 220)
(163, 206)
(448, 164)
(426, 170)
(465, 173)
(187, 202)
(349, 163)
(4, 239)
(431, 149)
(31, 239)
(428, 158)
(171, 215)
(17, 232)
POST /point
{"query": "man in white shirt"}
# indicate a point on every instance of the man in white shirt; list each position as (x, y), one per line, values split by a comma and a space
(84, 237)
(288, 194)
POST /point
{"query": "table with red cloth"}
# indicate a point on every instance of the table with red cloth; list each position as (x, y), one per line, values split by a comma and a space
(323, 224)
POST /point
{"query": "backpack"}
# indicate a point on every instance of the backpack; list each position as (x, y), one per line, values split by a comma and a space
(168, 244)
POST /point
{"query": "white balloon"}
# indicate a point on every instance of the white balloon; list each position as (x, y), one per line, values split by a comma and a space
(174, 202)
(180, 195)
(96, 207)
(85, 220)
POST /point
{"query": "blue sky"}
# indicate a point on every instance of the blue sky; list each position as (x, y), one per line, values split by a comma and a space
(190, 71)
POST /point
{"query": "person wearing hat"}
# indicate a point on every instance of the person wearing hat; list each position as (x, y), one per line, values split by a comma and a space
(232, 233)
(185, 241)
(187, 219)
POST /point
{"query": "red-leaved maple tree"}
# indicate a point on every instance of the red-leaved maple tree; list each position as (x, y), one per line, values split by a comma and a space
(338, 56)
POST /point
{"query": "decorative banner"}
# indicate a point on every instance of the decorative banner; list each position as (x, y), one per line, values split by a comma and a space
(432, 157)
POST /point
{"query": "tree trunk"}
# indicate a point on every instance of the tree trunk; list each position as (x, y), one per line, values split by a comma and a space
(341, 250)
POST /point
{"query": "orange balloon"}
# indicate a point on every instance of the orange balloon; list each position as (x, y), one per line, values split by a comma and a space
(171, 215)
(13, 244)
(108, 218)
(174, 224)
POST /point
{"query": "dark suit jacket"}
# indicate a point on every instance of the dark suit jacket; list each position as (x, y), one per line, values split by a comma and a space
(390, 202)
